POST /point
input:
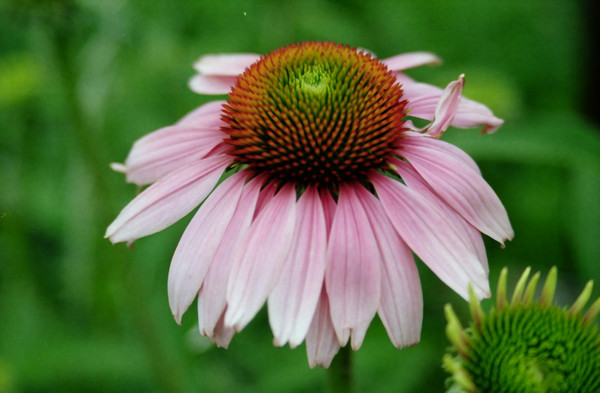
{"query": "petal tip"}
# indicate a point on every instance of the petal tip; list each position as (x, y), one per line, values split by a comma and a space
(118, 167)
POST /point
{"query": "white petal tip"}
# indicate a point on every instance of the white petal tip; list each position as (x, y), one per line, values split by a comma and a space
(118, 167)
(278, 343)
(177, 319)
(109, 234)
(407, 343)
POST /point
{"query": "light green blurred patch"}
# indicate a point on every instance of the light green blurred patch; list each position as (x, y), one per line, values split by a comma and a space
(20, 78)
(6, 377)
(499, 91)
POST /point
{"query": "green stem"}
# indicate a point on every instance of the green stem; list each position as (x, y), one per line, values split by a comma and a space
(340, 372)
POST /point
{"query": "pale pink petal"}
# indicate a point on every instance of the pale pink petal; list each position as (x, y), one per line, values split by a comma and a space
(416, 183)
(212, 295)
(352, 275)
(294, 299)
(401, 304)
(411, 60)
(446, 107)
(472, 114)
(205, 116)
(168, 200)
(460, 186)
(258, 265)
(423, 100)
(440, 146)
(211, 84)
(233, 64)
(321, 341)
(222, 334)
(403, 79)
(167, 150)
(433, 236)
(199, 244)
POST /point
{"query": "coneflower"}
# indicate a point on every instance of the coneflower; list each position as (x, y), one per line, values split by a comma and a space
(327, 188)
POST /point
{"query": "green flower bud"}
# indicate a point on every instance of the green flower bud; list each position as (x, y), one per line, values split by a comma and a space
(524, 345)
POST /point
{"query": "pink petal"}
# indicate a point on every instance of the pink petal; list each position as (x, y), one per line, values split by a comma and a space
(205, 116)
(401, 304)
(294, 299)
(265, 196)
(472, 114)
(167, 150)
(423, 100)
(352, 276)
(167, 200)
(260, 261)
(459, 185)
(212, 295)
(225, 64)
(416, 183)
(211, 84)
(199, 244)
(433, 236)
(329, 207)
(411, 60)
(446, 107)
(321, 341)
(221, 334)
(441, 147)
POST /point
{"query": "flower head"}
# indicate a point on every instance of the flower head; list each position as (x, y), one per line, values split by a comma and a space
(526, 345)
(328, 186)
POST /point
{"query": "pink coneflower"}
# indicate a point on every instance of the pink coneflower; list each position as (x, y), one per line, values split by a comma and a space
(327, 188)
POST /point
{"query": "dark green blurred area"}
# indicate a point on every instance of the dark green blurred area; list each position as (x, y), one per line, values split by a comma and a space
(80, 81)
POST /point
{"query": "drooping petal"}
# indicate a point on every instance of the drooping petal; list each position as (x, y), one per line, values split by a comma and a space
(199, 244)
(166, 150)
(321, 341)
(459, 185)
(472, 114)
(205, 116)
(167, 200)
(446, 107)
(352, 275)
(294, 299)
(222, 334)
(411, 60)
(211, 84)
(416, 183)
(442, 147)
(212, 296)
(433, 236)
(231, 64)
(423, 100)
(401, 304)
(258, 265)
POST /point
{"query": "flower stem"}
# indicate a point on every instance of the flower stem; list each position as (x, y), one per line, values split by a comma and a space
(340, 372)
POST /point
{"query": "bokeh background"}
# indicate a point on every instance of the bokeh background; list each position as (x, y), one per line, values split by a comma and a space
(80, 80)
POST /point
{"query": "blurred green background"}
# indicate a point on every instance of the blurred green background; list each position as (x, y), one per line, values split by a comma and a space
(80, 80)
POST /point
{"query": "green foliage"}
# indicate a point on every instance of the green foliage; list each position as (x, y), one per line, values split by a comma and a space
(80, 80)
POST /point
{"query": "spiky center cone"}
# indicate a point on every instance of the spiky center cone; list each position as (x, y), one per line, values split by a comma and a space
(315, 113)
